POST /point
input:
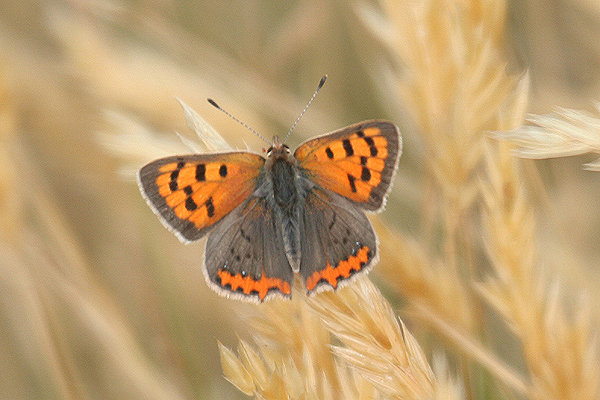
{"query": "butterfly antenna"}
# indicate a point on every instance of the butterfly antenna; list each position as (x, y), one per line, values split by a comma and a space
(218, 107)
(321, 83)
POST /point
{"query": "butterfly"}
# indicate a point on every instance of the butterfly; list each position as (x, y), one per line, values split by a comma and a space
(268, 219)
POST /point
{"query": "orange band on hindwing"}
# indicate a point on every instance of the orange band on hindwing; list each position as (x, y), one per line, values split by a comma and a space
(344, 269)
(250, 286)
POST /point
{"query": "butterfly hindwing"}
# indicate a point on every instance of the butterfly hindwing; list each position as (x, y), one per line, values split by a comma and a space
(245, 254)
(191, 193)
(338, 240)
(357, 162)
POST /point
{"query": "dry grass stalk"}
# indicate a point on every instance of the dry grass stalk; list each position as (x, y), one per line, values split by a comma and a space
(376, 355)
(10, 203)
(294, 357)
(456, 83)
(412, 273)
(457, 88)
(564, 133)
(56, 311)
(374, 343)
(62, 335)
(559, 351)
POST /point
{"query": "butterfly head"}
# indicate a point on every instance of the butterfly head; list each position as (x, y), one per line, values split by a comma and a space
(278, 149)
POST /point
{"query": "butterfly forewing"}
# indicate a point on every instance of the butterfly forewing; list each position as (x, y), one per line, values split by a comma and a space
(191, 193)
(357, 162)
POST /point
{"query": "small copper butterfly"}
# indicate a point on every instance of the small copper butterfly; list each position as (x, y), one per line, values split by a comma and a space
(289, 213)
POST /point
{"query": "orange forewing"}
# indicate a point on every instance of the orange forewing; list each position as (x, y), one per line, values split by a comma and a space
(196, 191)
(356, 162)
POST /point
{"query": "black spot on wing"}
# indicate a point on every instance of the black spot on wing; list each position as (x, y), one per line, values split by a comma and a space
(190, 204)
(200, 172)
(351, 179)
(371, 143)
(348, 147)
(173, 182)
(210, 208)
(365, 175)
(329, 153)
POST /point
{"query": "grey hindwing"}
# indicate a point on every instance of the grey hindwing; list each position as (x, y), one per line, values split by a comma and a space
(247, 241)
(334, 230)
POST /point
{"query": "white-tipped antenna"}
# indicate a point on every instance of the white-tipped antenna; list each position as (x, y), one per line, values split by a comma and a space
(321, 83)
(214, 104)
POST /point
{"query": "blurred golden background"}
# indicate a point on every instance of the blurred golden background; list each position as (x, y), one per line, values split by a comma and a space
(98, 300)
